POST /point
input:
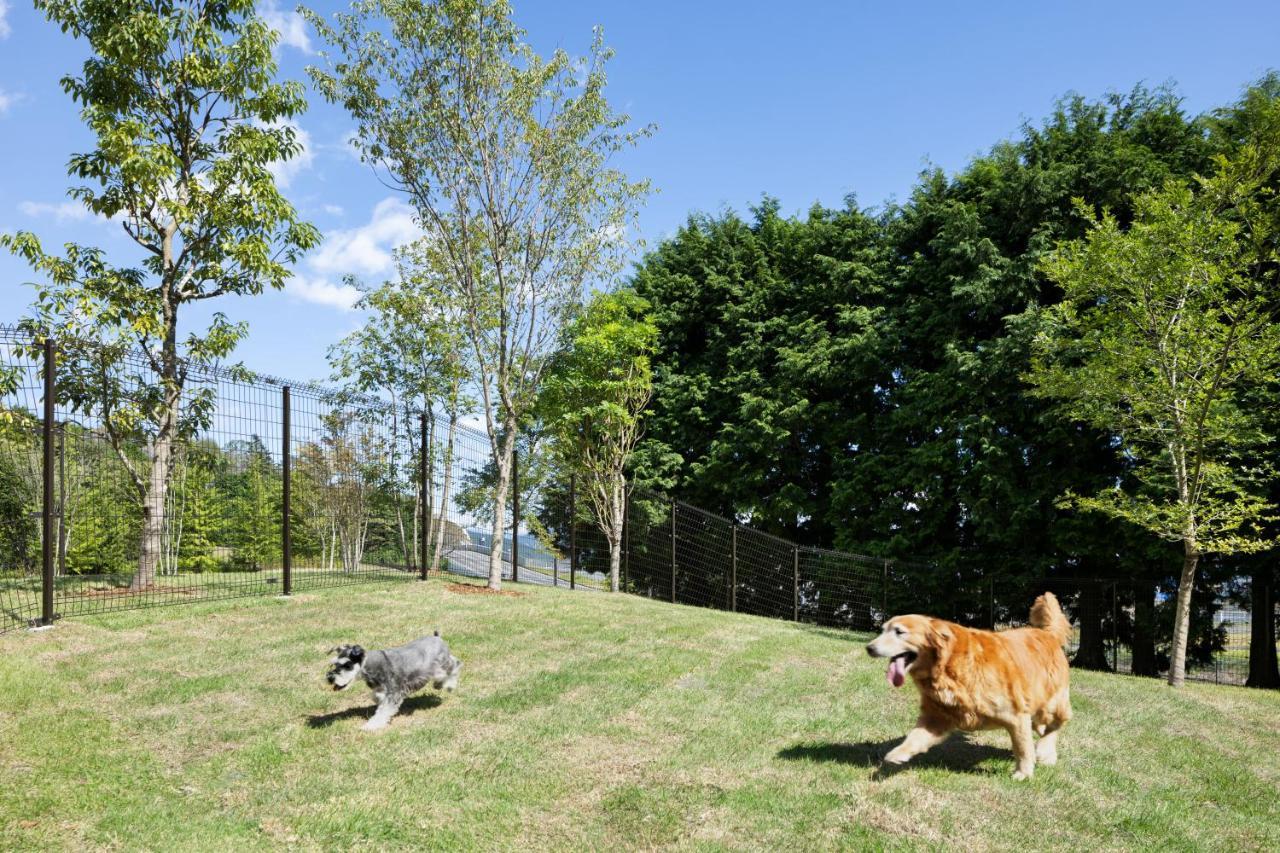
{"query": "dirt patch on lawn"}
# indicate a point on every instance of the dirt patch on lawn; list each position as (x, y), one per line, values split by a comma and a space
(472, 589)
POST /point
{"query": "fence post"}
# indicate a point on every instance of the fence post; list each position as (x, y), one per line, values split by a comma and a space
(46, 509)
(573, 532)
(733, 569)
(286, 468)
(515, 516)
(795, 601)
(884, 594)
(673, 551)
(1115, 627)
(425, 508)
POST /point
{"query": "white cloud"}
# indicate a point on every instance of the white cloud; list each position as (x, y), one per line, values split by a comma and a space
(321, 292)
(290, 25)
(67, 211)
(5, 29)
(367, 250)
(7, 99)
(363, 251)
(284, 171)
(333, 209)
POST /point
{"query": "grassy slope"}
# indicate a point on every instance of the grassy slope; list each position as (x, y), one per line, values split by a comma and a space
(581, 721)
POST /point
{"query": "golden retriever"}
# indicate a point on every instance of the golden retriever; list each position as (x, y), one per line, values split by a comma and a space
(1016, 680)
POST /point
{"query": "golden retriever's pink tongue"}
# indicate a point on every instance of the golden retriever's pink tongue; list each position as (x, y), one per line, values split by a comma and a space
(897, 673)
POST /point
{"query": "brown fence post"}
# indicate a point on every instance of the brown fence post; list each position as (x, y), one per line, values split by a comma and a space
(795, 600)
(573, 532)
(673, 552)
(425, 509)
(733, 569)
(515, 516)
(46, 509)
(286, 469)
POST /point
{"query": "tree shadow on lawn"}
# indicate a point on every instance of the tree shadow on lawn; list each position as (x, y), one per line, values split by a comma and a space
(959, 753)
(422, 701)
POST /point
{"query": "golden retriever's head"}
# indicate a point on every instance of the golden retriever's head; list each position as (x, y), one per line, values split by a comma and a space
(904, 641)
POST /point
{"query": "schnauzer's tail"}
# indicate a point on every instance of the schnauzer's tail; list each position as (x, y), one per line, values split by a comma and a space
(437, 632)
(1046, 614)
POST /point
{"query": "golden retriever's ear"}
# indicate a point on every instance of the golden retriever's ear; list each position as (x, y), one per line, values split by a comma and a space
(940, 633)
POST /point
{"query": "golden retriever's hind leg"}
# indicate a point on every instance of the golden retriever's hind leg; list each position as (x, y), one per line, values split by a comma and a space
(918, 740)
(1023, 750)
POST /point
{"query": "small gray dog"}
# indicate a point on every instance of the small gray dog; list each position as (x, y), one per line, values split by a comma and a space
(393, 674)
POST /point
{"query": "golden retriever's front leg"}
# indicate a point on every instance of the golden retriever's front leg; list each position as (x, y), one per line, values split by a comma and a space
(1023, 749)
(926, 734)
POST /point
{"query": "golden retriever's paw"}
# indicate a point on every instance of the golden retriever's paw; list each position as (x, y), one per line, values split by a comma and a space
(1021, 775)
(897, 756)
(1048, 758)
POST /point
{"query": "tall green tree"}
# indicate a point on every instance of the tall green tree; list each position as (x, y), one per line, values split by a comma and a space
(592, 401)
(1162, 329)
(181, 99)
(506, 156)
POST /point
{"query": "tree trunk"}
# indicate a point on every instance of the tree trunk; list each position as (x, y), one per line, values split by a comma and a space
(438, 550)
(502, 461)
(1182, 617)
(429, 499)
(153, 502)
(1144, 636)
(1092, 653)
(1263, 668)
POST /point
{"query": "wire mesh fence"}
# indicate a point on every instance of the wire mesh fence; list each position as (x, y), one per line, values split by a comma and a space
(257, 486)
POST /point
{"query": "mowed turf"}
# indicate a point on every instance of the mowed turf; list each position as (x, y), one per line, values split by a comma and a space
(583, 721)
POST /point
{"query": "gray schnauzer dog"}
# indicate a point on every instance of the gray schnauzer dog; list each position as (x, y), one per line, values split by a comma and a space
(393, 674)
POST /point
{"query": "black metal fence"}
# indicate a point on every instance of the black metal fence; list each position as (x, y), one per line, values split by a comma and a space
(259, 487)
(268, 487)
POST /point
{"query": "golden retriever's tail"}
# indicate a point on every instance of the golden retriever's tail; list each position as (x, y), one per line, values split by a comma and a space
(1047, 615)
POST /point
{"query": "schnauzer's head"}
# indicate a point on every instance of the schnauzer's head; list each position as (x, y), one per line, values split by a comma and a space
(347, 663)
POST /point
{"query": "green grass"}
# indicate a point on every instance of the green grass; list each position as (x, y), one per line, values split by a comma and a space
(582, 721)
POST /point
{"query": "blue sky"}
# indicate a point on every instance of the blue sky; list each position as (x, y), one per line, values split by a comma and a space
(806, 101)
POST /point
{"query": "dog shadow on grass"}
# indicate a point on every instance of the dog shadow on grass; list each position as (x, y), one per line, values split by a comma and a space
(958, 753)
(420, 702)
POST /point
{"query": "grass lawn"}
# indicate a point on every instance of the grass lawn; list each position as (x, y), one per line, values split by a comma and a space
(581, 721)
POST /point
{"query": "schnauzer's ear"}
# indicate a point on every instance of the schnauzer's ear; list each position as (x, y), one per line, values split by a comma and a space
(351, 653)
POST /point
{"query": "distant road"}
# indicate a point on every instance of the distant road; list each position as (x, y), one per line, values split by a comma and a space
(475, 564)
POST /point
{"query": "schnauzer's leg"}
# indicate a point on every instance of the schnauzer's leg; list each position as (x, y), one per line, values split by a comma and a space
(926, 734)
(451, 682)
(387, 708)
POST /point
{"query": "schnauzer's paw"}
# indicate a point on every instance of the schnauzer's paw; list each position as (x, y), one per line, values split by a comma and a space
(373, 726)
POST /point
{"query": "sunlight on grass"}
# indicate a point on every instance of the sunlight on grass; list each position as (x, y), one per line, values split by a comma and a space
(580, 722)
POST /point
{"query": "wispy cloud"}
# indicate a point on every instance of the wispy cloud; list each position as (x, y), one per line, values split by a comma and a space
(290, 25)
(5, 29)
(67, 211)
(365, 251)
(320, 292)
(7, 100)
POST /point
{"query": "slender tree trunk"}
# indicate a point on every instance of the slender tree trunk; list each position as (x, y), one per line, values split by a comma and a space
(1182, 617)
(1264, 671)
(438, 550)
(429, 499)
(503, 486)
(1144, 637)
(153, 502)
